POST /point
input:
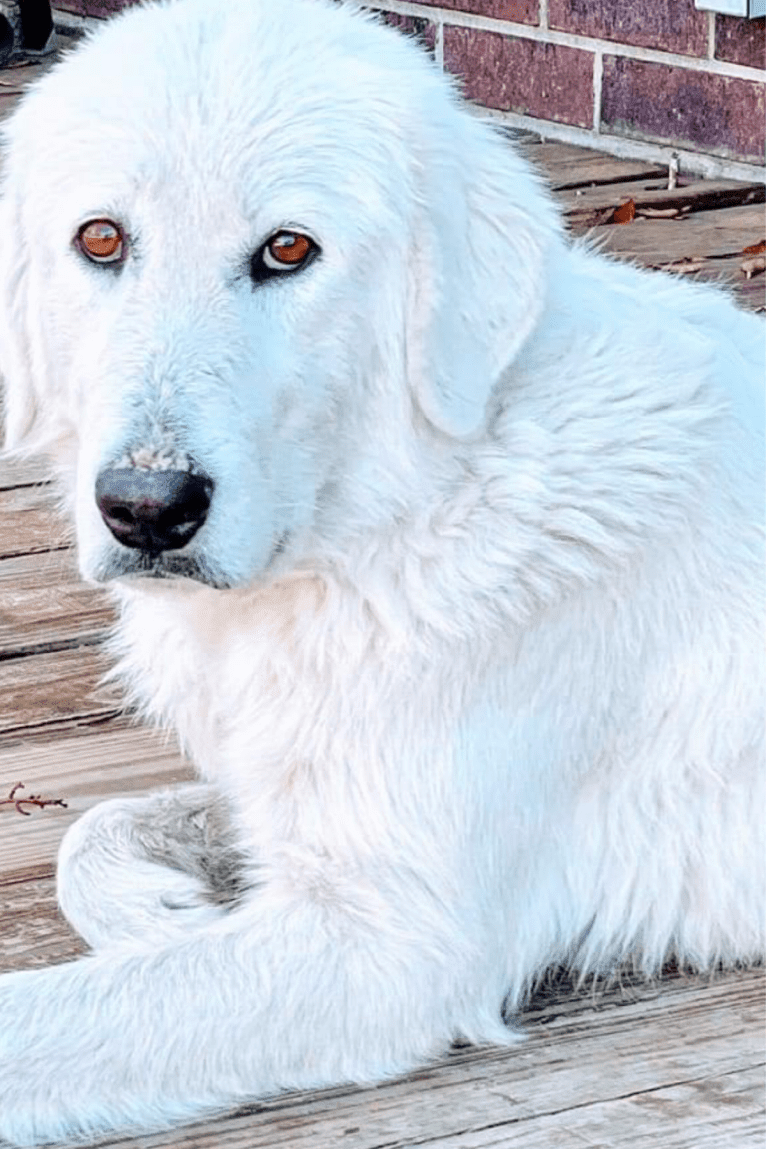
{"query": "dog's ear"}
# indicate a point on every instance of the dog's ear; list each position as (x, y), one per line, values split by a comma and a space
(483, 230)
(16, 352)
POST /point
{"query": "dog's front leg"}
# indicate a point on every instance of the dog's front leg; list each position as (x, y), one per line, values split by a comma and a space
(285, 991)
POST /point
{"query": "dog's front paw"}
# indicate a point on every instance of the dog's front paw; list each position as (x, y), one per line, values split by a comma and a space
(61, 1044)
(31, 1106)
(102, 1045)
(149, 901)
(119, 878)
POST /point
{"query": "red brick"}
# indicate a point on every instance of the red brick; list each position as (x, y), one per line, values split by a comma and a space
(415, 26)
(741, 41)
(535, 79)
(93, 7)
(670, 25)
(519, 11)
(679, 106)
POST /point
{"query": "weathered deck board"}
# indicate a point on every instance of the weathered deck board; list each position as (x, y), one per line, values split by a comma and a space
(34, 934)
(30, 522)
(45, 688)
(724, 216)
(82, 769)
(44, 602)
(585, 206)
(678, 1065)
(20, 473)
(655, 242)
(567, 166)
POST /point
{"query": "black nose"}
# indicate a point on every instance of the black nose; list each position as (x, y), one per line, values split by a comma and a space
(153, 510)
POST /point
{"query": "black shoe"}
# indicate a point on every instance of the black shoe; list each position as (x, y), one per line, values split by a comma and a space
(50, 46)
(6, 40)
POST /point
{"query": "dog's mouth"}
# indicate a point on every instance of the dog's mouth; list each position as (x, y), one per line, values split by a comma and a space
(137, 564)
(141, 564)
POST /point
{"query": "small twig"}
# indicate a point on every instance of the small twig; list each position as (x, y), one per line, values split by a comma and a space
(673, 172)
(29, 800)
(664, 212)
(686, 265)
(754, 265)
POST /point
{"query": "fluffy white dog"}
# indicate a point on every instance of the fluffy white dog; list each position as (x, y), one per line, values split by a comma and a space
(437, 540)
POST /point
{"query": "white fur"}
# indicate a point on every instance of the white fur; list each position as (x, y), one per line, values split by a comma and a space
(497, 701)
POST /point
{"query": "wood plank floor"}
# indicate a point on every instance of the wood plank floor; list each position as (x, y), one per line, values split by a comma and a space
(674, 1065)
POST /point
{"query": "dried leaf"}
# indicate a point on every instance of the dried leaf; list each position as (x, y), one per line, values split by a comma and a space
(755, 248)
(625, 213)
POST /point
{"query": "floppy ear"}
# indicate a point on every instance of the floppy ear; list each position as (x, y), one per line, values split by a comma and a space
(16, 352)
(477, 283)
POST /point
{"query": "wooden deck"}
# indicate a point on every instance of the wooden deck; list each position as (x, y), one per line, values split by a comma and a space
(675, 1065)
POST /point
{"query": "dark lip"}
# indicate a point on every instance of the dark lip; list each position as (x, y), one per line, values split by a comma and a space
(131, 563)
(139, 564)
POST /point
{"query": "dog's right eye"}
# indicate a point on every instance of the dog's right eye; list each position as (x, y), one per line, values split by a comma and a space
(101, 241)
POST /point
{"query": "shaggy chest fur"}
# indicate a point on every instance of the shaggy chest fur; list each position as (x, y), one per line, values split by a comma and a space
(437, 540)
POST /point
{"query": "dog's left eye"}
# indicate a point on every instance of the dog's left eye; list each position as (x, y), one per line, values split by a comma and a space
(286, 251)
(101, 241)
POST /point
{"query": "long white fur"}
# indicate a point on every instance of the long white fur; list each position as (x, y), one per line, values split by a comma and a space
(498, 703)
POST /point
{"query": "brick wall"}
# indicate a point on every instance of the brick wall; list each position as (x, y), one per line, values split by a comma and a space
(630, 76)
(635, 77)
(100, 8)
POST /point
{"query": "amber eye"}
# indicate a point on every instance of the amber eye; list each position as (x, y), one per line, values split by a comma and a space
(287, 250)
(101, 241)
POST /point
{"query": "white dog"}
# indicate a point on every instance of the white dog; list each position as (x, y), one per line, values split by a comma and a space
(437, 540)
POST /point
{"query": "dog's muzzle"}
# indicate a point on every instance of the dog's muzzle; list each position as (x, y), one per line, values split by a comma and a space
(153, 511)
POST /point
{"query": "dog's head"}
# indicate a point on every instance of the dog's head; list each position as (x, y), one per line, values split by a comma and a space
(250, 253)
